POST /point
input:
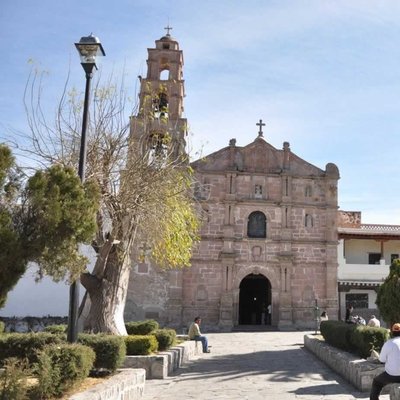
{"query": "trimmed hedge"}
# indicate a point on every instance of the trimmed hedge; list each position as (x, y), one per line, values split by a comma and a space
(110, 350)
(140, 345)
(56, 329)
(367, 338)
(25, 345)
(165, 338)
(337, 333)
(356, 339)
(61, 367)
(142, 327)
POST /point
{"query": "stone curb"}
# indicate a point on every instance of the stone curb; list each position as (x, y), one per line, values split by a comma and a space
(359, 372)
(127, 384)
(160, 365)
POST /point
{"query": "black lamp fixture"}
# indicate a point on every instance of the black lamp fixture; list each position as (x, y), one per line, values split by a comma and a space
(89, 48)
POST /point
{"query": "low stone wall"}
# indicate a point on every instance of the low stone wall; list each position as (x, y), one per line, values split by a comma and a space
(358, 372)
(127, 384)
(160, 365)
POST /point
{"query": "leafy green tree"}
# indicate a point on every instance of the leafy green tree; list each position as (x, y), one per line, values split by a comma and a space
(388, 299)
(12, 265)
(43, 219)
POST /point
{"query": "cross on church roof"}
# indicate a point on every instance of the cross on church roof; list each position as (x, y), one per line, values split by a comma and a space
(260, 124)
(168, 28)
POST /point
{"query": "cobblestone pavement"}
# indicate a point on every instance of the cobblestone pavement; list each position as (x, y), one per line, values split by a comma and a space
(254, 366)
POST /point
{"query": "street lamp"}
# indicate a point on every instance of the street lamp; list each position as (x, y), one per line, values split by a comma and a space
(89, 47)
(316, 314)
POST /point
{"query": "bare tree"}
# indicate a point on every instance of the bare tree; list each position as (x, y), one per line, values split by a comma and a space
(139, 195)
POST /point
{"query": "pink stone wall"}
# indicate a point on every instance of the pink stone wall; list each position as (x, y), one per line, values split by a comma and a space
(299, 261)
(349, 219)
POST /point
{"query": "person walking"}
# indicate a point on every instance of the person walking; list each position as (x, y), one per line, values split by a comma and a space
(390, 355)
(349, 311)
(195, 334)
(269, 314)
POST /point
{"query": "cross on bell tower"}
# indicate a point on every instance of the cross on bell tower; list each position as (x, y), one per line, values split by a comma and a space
(168, 28)
(260, 131)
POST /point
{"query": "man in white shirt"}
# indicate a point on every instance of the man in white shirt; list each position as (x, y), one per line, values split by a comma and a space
(195, 334)
(390, 355)
(374, 322)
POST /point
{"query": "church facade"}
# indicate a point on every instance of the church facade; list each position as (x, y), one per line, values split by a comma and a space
(268, 249)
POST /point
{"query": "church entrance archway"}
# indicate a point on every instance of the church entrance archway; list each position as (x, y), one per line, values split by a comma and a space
(254, 299)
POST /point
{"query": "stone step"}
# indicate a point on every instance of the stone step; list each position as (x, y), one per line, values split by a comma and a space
(254, 328)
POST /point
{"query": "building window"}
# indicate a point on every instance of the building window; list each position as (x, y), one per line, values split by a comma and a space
(374, 258)
(393, 257)
(309, 222)
(357, 300)
(257, 225)
(308, 191)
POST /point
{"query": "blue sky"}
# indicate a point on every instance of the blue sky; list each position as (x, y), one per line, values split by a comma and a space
(324, 75)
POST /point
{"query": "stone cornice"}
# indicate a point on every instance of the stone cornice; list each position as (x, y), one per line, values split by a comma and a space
(221, 239)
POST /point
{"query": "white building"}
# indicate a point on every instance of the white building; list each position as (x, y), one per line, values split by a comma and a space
(365, 252)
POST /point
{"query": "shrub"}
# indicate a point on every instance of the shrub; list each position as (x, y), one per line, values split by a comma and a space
(61, 367)
(366, 338)
(25, 345)
(110, 349)
(165, 338)
(337, 333)
(388, 296)
(56, 329)
(13, 382)
(141, 327)
(2, 327)
(140, 344)
(356, 339)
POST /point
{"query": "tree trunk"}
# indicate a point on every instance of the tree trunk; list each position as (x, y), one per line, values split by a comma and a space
(108, 295)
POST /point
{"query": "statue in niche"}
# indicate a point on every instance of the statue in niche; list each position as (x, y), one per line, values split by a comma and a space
(309, 223)
(257, 191)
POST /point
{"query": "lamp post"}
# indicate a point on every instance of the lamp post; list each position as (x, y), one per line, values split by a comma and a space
(89, 47)
(316, 313)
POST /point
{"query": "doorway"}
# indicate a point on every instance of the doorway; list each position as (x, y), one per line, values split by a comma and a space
(254, 299)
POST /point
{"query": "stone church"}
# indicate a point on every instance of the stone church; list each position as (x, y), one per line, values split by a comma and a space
(268, 249)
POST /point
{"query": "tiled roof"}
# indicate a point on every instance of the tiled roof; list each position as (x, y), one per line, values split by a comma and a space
(371, 230)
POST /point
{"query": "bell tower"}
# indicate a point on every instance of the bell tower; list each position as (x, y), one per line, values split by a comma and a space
(158, 127)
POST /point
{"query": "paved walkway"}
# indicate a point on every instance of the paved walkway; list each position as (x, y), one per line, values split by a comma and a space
(254, 366)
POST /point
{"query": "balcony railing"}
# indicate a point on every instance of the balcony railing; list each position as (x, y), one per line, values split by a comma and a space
(363, 272)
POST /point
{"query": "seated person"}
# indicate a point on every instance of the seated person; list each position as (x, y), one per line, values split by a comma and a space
(195, 334)
(390, 355)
